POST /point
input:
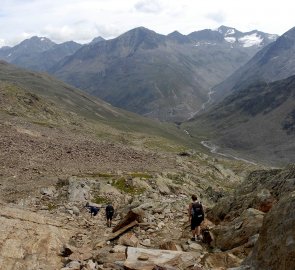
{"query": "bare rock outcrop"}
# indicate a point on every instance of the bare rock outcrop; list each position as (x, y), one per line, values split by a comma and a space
(29, 240)
(275, 248)
(239, 231)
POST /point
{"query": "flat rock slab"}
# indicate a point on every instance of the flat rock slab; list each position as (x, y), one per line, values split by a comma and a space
(29, 240)
(147, 259)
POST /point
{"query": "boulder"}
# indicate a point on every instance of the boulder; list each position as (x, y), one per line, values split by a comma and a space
(135, 214)
(232, 234)
(48, 191)
(122, 230)
(168, 245)
(29, 239)
(78, 190)
(128, 239)
(275, 247)
(158, 258)
(81, 254)
(220, 260)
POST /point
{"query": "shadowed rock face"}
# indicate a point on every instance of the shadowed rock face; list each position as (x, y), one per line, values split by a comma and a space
(260, 190)
(275, 248)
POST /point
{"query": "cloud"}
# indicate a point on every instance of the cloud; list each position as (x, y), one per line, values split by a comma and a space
(2, 42)
(62, 20)
(148, 6)
(218, 17)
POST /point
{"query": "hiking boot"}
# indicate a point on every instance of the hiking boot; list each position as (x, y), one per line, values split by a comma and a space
(193, 239)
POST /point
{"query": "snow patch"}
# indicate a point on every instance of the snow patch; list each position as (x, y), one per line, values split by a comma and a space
(9, 55)
(204, 43)
(250, 40)
(230, 32)
(230, 39)
(42, 39)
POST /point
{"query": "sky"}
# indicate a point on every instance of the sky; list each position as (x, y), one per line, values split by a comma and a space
(83, 20)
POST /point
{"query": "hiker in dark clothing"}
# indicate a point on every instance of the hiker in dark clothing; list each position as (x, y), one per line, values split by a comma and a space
(93, 210)
(196, 217)
(109, 214)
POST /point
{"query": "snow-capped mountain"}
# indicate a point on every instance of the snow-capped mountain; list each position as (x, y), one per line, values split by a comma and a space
(247, 39)
(162, 76)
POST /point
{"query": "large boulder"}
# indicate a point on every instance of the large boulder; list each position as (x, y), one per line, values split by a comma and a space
(260, 190)
(149, 259)
(275, 248)
(232, 234)
(30, 241)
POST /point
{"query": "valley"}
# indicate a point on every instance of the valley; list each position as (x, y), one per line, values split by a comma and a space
(143, 121)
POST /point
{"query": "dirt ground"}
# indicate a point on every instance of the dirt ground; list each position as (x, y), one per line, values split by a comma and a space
(32, 156)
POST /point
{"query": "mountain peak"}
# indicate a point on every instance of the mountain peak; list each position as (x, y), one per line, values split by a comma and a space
(96, 40)
(40, 43)
(178, 37)
(226, 30)
(142, 36)
(206, 35)
(141, 31)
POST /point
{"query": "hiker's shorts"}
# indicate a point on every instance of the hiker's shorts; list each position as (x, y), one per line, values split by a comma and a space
(195, 222)
(109, 215)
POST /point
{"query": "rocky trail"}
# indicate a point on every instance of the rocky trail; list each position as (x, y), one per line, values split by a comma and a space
(47, 178)
(52, 229)
(150, 230)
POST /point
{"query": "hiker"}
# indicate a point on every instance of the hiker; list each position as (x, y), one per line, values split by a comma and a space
(196, 217)
(93, 210)
(109, 214)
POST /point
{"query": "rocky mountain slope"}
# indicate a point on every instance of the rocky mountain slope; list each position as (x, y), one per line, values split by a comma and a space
(60, 148)
(38, 53)
(164, 77)
(244, 121)
(273, 62)
(267, 197)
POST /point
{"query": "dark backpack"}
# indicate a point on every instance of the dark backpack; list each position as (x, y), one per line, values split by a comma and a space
(110, 209)
(93, 210)
(197, 210)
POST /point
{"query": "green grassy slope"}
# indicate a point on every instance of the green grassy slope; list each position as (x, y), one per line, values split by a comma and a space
(72, 106)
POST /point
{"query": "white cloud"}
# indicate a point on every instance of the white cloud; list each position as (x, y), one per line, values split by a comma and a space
(2, 42)
(62, 20)
(149, 6)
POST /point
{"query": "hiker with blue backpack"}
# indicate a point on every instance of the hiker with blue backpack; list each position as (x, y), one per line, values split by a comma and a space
(93, 210)
(196, 217)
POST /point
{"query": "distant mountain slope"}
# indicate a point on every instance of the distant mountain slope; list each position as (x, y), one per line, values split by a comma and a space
(38, 53)
(257, 121)
(164, 77)
(273, 62)
(46, 101)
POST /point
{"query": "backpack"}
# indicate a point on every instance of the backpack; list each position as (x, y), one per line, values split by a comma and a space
(94, 210)
(197, 211)
(110, 209)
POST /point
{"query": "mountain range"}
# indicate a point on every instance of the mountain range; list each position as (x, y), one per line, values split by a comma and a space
(163, 77)
(273, 62)
(38, 53)
(253, 111)
(169, 77)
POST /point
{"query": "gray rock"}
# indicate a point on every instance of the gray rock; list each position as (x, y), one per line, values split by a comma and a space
(78, 190)
(74, 265)
(49, 191)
